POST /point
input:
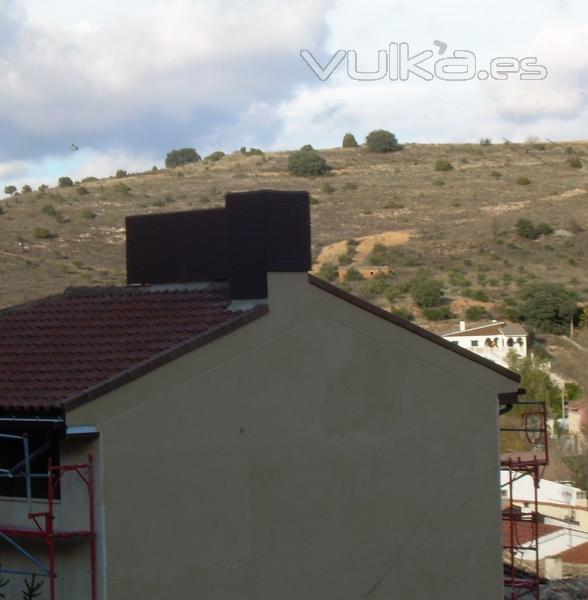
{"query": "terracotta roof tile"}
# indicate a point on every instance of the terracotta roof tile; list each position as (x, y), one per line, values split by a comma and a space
(523, 532)
(58, 350)
(576, 555)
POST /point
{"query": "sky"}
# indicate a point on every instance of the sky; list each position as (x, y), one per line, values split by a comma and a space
(126, 81)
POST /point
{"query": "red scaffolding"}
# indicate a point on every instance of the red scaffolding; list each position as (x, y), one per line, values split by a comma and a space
(518, 582)
(44, 527)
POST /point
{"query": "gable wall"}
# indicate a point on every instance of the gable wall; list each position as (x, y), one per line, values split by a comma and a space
(311, 454)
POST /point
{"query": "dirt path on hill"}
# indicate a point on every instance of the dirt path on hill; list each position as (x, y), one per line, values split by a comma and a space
(331, 252)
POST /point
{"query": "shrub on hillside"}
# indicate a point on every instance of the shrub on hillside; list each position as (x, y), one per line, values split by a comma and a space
(182, 156)
(215, 156)
(381, 140)
(438, 313)
(526, 229)
(89, 179)
(65, 182)
(88, 214)
(522, 180)
(42, 233)
(43, 188)
(353, 275)
(574, 162)
(327, 188)
(26, 189)
(443, 165)
(544, 229)
(349, 141)
(306, 147)
(547, 306)
(426, 292)
(402, 312)
(477, 313)
(10, 189)
(485, 141)
(82, 190)
(307, 163)
(121, 173)
(328, 271)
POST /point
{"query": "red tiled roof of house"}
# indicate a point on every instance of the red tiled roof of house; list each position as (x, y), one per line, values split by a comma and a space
(523, 532)
(65, 349)
(577, 555)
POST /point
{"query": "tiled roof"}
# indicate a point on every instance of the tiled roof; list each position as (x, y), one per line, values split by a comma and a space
(576, 555)
(488, 328)
(62, 350)
(523, 532)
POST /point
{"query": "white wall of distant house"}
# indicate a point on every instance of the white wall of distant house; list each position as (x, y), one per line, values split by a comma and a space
(549, 491)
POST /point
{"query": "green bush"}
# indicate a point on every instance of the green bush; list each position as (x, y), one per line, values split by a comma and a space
(477, 313)
(215, 156)
(353, 275)
(82, 190)
(443, 165)
(381, 255)
(49, 210)
(522, 180)
(65, 182)
(328, 271)
(485, 141)
(438, 313)
(574, 162)
(479, 295)
(26, 189)
(438, 182)
(402, 312)
(547, 306)
(122, 188)
(381, 140)
(43, 188)
(10, 189)
(182, 156)
(349, 141)
(87, 213)
(496, 174)
(426, 292)
(121, 173)
(544, 229)
(307, 163)
(42, 233)
(345, 259)
(89, 179)
(526, 229)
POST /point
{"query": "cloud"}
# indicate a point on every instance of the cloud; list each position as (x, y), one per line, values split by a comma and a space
(166, 64)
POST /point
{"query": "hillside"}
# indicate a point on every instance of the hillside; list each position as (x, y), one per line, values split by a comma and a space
(459, 224)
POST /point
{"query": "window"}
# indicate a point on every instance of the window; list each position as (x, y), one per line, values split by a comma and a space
(510, 342)
(41, 447)
(474, 342)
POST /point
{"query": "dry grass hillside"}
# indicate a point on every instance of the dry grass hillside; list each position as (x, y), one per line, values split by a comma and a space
(459, 224)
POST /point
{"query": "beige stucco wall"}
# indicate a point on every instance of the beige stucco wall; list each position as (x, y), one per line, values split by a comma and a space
(318, 453)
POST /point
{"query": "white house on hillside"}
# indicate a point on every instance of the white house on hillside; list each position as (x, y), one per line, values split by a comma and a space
(491, 339)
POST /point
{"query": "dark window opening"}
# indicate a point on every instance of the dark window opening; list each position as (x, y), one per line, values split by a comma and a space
(42, 446)
(474, 342)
